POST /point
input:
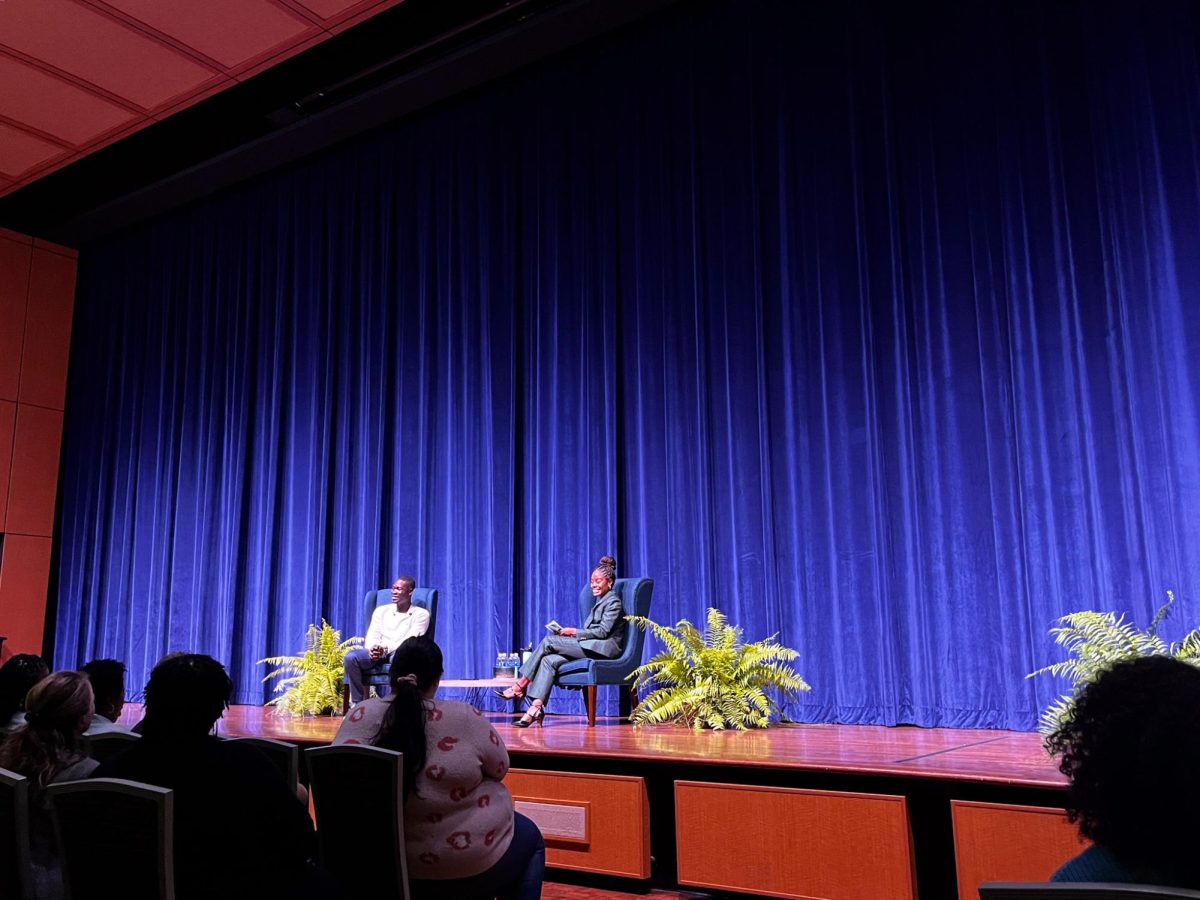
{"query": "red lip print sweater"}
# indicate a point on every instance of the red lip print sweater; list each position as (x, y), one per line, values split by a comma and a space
(458, 821)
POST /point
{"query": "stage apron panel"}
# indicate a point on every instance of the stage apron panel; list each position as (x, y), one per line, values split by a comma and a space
(783, 842)
(1002, 842)
(593, 823)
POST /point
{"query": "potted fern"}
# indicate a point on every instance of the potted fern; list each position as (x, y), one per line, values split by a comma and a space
(1095, 641)
(712, 678)
(313, 685)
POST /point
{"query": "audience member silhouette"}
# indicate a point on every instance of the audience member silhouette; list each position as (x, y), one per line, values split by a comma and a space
(239, 829)
(108, 686)
(17, 676)
(1130, 746)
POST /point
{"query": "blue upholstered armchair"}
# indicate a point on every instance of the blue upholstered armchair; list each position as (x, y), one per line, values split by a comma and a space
(587, 674)
(424, 597)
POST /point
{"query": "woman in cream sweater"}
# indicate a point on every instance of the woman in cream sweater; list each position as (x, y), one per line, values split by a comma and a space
(462, 835)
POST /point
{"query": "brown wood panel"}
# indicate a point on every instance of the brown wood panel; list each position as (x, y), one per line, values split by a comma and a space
(941, 753)
(24, 575)
(784, 842)
(33, 484)
(617, 819)
(48, 329)
(15, 255)
(8, 422)
(1000, 842)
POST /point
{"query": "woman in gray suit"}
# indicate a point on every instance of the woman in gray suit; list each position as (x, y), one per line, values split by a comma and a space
(601, 636)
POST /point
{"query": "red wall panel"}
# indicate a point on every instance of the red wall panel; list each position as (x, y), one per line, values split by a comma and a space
(24, 578)
(8, 421)
(48, 328)
(14, 290)
(34, 482)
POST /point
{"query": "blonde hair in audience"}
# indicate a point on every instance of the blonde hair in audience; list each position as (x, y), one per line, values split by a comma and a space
(58, 709)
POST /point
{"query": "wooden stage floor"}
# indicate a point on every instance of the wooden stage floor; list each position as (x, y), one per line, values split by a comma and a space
(964, 755)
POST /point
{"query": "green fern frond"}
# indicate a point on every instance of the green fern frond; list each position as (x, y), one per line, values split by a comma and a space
(712, 678)
(1096, 640)
(311, 683)
(1188, 649)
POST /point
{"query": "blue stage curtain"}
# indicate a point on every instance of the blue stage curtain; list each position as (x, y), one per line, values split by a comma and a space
(872, 326)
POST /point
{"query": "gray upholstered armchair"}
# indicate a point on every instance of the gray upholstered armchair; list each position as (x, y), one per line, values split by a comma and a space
(588, 674)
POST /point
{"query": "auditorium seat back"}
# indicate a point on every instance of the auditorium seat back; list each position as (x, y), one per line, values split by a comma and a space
(1036, 890)
(99, 820)
(16, 872)
(284, 756)
(360, 841)
(103, 747)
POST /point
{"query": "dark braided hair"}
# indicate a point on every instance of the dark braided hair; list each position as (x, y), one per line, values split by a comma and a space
(403, 725)
(1130, 746)
(608, 568)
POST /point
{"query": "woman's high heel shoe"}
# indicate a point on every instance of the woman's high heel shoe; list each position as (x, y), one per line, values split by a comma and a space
(515, 691)
(535, 715)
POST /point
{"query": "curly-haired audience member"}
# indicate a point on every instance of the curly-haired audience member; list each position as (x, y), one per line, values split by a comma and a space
(462, 837)
(49, 748)
(17, 676)
(1130, 748)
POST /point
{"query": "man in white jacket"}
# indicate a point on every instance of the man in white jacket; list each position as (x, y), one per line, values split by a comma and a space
(391, 626)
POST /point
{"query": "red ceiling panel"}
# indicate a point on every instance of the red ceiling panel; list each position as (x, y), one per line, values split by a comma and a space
(327, 9)
(54, 106)
(232, 32)
(14, 289)
(357, 12)
(167, 110)
(99, 50)
(20, 152)
(282, 52)
(77, 75)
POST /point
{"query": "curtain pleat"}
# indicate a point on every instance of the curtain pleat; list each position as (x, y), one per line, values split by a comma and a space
(870, 326)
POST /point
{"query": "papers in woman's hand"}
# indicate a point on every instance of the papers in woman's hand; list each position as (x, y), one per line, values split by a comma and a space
(553, 627)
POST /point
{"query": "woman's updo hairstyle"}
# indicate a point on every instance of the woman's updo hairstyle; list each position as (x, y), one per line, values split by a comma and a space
(608, 568)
